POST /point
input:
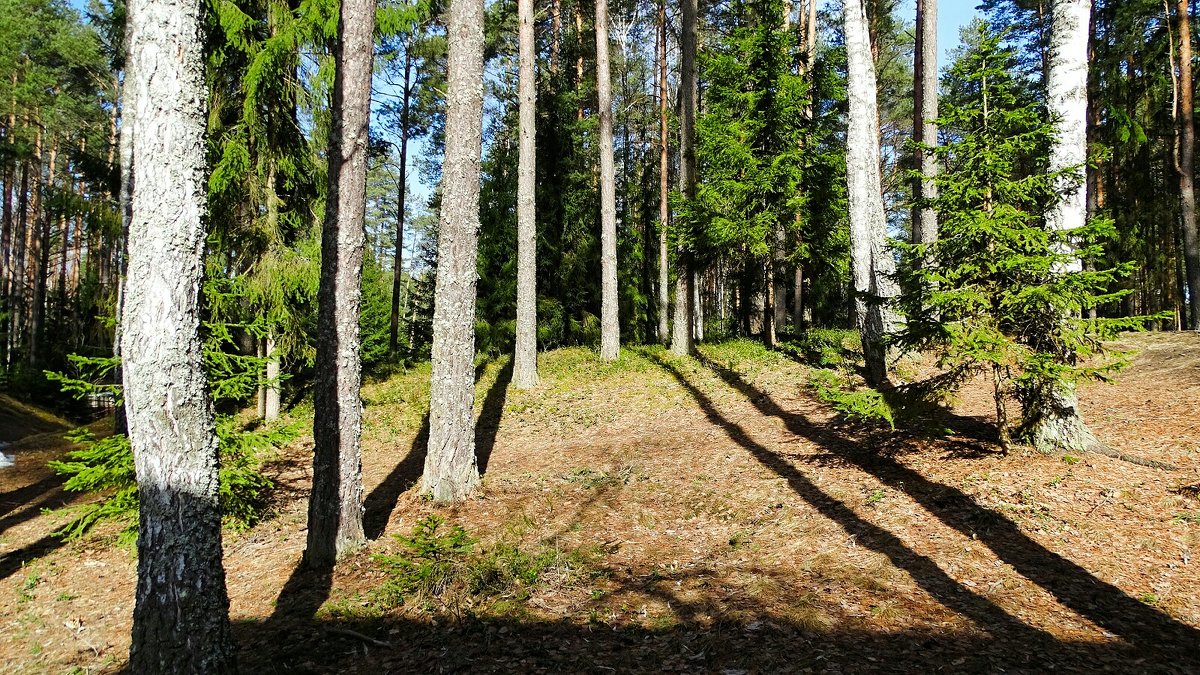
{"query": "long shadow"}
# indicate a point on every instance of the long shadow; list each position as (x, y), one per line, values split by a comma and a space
(924, 571)
(382, 501)
(1151, 631)
(13, 499)
(754, 641)
(488, 424)
(54, 499)
(13, 561)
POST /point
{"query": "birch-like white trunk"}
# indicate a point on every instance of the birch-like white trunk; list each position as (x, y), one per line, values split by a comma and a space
(451, 471)
(180, 616)
(1053, 421)
(871, 259)
(610, 329)
(525, 373)
(335, 507)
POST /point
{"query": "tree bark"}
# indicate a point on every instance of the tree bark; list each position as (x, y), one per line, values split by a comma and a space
(1187, 163)
(525, 373)
(664, 192)
(180, 616)
(451, 472)
(1052, 418)
(871, 259)
(682, 339)
(335, 507)
(401, 193)
(610, 329)
(41, 269)
(925, 131)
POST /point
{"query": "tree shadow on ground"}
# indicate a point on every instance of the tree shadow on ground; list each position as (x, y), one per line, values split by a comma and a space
(1149, 631)
(748, 643)
(307, 589)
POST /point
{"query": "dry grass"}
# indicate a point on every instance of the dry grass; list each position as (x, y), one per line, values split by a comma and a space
(736, 526)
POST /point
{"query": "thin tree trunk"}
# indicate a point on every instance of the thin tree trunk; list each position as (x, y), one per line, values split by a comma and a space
(41, 269)
(770, 339)
(1187, 163)
(335, 507)
(925, 131)
(17, 303)
(664, 213)
(610, 328)
(1052, 418)
(180, 616)
(579, 59)
(871, 259)
(450, 466)
(525, 373)
(698, 305)
(798, 301)
(555, 35)
(401, 193)
(689, 98)
(272, 403)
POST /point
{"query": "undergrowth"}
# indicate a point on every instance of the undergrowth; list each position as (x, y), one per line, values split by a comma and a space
(443, 569)
(105, 466)
(863, 406)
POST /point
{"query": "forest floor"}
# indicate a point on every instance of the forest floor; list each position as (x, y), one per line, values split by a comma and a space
(702, 515)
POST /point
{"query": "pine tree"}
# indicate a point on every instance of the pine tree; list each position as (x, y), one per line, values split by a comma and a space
(610, 329)
(451, 471)
(180, 618)
(525, 358)
(335, 508)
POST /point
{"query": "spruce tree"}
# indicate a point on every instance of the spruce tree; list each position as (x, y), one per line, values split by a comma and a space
(999, 302)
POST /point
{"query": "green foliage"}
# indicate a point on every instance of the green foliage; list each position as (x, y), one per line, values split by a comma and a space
(825, 348)
(444, 565)
(999, 292)
(105, 466)
(862, 406)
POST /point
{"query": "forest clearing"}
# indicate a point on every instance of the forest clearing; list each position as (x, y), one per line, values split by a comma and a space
(599, 336)
(707, 515)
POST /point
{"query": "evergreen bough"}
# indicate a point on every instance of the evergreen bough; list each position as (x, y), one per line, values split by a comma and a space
(998, 292)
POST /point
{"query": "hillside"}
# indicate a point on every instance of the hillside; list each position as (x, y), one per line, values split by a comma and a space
(693, 515)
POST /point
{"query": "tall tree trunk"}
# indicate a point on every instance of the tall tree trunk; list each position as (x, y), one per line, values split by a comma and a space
(6, 234)
(335, 507)
(180, 616)
(19, 283)
(689, 99)
(44, 226)
(579, 60)
(1052, 418)
(664, 212)
(1187, 163)
(401, 193)
(555, 35)
(925, 131)
(525, 373)
(610, 328)
(450, 466)
(870, 257)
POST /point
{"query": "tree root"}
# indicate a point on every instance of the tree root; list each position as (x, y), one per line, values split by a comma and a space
(1102, 449)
